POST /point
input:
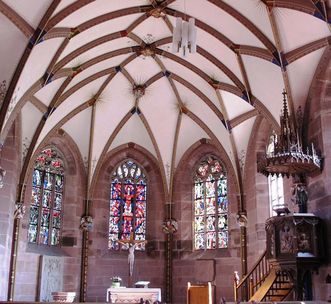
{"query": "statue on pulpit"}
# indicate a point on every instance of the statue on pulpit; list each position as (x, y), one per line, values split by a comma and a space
(132, 246)
(300, 196)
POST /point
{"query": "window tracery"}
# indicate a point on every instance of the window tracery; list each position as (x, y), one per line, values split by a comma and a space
(46, 199)
(127, 216)
(210, 205)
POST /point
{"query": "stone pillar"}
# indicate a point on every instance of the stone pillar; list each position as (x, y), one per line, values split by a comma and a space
(85, 226)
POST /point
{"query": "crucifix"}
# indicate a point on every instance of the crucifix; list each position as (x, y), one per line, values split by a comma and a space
(132, 246)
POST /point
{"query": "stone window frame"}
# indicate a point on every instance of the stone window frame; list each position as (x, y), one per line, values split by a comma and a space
(197, 164)
(146, 200)
(33, 247)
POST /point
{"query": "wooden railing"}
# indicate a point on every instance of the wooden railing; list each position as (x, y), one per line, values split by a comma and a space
(251, 282)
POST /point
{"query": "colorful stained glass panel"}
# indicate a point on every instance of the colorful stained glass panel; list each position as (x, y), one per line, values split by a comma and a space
(140, 246)
(127, 204)
(199, 224)
(113, 244)
(34, 214)
(211, 223)
(199, 241)
(199, 207)
(44, 235)
(35, 196)
(47, 198)
(56, 219)
(203, 169)
(211, 240)
(116, 190)
(127, 225)
(210, 205)
(222, 221)
(223, 239)
(210, 188)
(48, 180)
(113, 224)
(32, 233)
(125, 170)
(199, 190)
(138, 173)
(58, 183)
(55, 236)
(45, 217)
(222, 187)
(36, 178)
(140, 209)
(132, 170)
(140, 190)
(140, 226)
(58, 201)
(115, 208)
(222, 204)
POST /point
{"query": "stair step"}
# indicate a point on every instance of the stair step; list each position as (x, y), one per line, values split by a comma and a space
(279, 292)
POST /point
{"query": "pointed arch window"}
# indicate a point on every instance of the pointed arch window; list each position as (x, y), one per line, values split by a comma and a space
(275, 182)
(210, 205)
(46, 199)
(127, 205)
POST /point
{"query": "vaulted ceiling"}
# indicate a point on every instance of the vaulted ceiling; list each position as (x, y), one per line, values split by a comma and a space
(106, 68)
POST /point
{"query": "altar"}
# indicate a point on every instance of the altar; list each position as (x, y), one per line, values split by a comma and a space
(133, 295)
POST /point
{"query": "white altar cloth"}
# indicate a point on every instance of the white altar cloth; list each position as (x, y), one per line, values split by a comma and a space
(127, 295)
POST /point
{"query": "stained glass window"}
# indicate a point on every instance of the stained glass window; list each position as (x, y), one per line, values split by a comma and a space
(46, 199)
(210, 205)
(127, 205)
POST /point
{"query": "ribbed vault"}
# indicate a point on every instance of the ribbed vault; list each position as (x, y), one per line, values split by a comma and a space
(66, 60)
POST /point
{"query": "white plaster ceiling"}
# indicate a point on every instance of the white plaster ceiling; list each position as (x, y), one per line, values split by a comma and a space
(82, 52)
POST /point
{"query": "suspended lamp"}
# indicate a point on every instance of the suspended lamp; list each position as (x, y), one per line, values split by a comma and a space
(184, 38)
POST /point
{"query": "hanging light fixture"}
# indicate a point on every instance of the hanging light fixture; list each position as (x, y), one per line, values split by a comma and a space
(184, 38)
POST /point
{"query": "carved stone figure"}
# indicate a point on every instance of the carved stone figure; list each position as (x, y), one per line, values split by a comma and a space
(132, 247)
(86, 223)
(300, 196)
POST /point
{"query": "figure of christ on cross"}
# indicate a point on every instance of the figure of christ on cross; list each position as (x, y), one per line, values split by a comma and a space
(132, 246)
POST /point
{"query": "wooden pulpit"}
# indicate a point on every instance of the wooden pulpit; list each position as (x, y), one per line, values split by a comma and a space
(199, 293)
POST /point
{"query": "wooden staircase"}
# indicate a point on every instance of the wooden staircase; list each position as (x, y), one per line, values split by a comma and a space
(263, 283)
(276, 287)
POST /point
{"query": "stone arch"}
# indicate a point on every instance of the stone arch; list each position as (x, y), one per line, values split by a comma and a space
(73, 198)
(188, 261)
(183, 181)
(107, 263)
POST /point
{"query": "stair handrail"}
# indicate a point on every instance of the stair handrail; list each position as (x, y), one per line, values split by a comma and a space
(248, 279)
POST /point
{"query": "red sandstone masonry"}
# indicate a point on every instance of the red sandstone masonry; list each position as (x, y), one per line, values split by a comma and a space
(185, 266)
(9, 161)
(28, 263)
(319, 187)
(106, 263)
